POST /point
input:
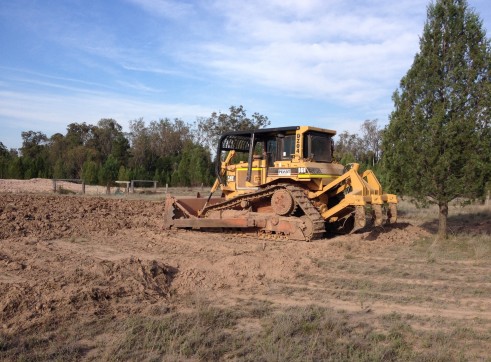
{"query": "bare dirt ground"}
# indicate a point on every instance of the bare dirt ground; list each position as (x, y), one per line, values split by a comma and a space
(91, 278)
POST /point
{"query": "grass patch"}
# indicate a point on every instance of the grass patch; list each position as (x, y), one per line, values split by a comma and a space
(204, 334)
(210, 333)
(42, 345)
(456, 247)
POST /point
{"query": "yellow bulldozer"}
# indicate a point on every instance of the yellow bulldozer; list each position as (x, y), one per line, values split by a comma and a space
(283, 183)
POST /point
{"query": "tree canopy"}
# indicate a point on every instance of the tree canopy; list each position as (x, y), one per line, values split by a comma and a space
(211, 128)
(169, 151)
(364, 149)
(437, 144)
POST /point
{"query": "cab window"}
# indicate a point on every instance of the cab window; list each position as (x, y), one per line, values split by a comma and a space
(271, 151)
(288, 149)
(318, 147)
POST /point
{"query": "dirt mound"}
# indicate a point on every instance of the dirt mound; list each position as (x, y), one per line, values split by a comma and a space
(53, 217)
(35, 289)
(53, 262)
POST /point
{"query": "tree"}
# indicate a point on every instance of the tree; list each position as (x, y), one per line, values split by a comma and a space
(437, 145)
(35, 154)
(5, 158)
(120, 149)
(109, 172)
(106, 133)
(364, 149)
(195, 166)
(33, 143)
(168, 137)
(16, 168)
(210, 129)
(371, 139)
(80, 134)
(347, 148)
(90, 172)
(123, 174)
(140, 142)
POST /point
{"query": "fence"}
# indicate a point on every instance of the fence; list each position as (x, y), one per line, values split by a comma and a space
(129, 186)
(126, 187)
(143, 181)
(69, 180)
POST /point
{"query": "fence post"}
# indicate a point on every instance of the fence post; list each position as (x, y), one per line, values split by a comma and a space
(132, 186)
(155, 186)
(54, 185)
(83, 187)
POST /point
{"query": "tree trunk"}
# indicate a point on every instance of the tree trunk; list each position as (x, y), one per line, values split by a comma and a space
(442, 220)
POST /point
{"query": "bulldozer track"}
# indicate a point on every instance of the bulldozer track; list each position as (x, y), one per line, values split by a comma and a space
(235, 202)
(309, 210)
(298, 195)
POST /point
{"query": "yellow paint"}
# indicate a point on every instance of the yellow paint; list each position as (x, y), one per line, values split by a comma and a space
(310, 175)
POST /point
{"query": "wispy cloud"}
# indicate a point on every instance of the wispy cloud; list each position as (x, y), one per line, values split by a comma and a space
(12, 76)
(53, 109)
(318, 49)
(165, 8)
(138, 86)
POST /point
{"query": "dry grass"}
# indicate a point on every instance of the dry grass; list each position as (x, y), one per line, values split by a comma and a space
(210, 333)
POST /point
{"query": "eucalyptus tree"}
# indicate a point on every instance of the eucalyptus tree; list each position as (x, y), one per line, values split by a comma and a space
(211, 128)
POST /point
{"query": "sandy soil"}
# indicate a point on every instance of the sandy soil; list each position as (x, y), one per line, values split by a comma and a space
(41, 185)
(66, 257)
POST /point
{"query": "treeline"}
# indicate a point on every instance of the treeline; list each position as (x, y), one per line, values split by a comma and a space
(169, 151)
(364, 148)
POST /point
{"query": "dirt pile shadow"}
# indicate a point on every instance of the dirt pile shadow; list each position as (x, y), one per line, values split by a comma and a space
(87, 287)
(472, 223)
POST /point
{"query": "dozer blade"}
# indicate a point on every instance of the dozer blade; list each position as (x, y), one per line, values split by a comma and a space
(184, 209)
(184, 213)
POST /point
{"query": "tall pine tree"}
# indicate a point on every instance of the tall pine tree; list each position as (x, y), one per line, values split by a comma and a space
(437, 146)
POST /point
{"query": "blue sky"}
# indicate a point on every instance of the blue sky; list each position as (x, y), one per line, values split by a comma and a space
(326, 63)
